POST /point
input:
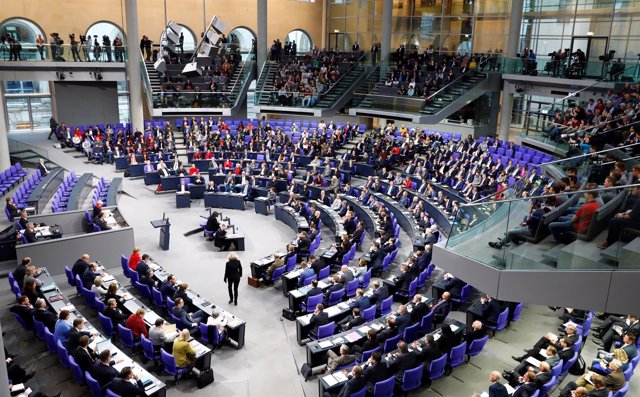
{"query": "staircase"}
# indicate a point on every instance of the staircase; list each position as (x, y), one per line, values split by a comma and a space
(154, 76)
(265, 83)
(329, 99)
(370, 84)
(452, 92)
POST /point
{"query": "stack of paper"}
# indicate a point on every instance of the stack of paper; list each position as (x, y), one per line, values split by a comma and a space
(331, 380)
(325, 343)
(352, 337)
(364, 329)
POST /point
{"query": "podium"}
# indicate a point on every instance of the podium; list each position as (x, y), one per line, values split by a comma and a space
(164, 225)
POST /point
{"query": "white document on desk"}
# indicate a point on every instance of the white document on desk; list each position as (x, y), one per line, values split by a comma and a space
(340, 377)
(331, 380)
(454, 327)
(324, 344)
(533, 361)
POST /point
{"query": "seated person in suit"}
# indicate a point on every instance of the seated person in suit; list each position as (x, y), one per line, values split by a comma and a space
(97, 209)
(379, 294)
(315, 290)
(448, 339)
(346, 275)
(375, 370)
(114, 313)
(160, 338)
(404, 279)
(356, 381)
(600, 386)
(90, 275)
(551, 339)
(148, 279)
(490, 310)
(303, 243)
(477, 332)
(103, 371)
(101, 222)
(352, 320)
(190, 320)
(30, 233)
(419, 308)
(318, 318)
(305, 274)
(277, 262)
(528, 386)
(403, 318)
(441, 309)
(335, 361)
(430, 352)
(13, 209)
(453, 284)
(123, 385)
(169, 286)
(369, 344)
(389, 331)
(403, 360)
(336, 286)
(496, 389)
(24, 309)
(83, 355)
(360, 301)
(45, 316)
(515, 377)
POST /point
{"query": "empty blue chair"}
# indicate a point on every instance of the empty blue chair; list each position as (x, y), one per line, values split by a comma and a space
(517, 311)
(369, 314)
(476, 346)
(391, 344)
(628, 372)
(336, 297)
(212, 337)
(426, 324)
(464, 295)
(76, 371)
(26, 326)
(366, 279)
(501, 323)
(169, 365)
(70, 280)
(437, 368)
(99, 305)
(385, 306)
(51, 341)
(106, 324)
(158, 299)
(133, 277)
(557, 369)
(124, 262)
(39, 328)
(456, 356)
(148, 350)
(422, 278)
(413, 285)
(352, 286)
(569, 364)
(360, 393)
(324, 331)
(143, 289)
(384, 388)
(63, 355)
(412, 379)
(170, 304)
(291, 263)
(94, 386)
(324, 273)
(311, 303)
(411, 333)
(126, 338)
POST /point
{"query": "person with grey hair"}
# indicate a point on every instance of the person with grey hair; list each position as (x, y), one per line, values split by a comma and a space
(613, 382)
(114, 313)
(335, 361)
(30, 233)
(43, 315)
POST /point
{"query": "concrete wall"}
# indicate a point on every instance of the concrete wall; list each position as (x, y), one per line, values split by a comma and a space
(77, 16)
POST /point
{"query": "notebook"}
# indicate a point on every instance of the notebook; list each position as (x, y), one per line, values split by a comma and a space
(170, 329)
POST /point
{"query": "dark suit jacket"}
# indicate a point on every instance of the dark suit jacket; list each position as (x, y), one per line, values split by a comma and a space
(30, 235)
(85, 359)
(491, 311)
(379, 295)
(141, 268)
(357, 234)
(403, 362)
(126, 389)
(386, 334)
(19, 273)
(74, 339)
(454, 286)
(103, 373)
(403, 281)
(79, 267)
(24, 312)
(353, 385)
(403, 322)
(233, 270)
(419, 311)
(334, 287)
(317, 320)
(526, 390)
(362, 303)
(314, 291)
(375, 373)
(542, 378)
(47, 318)
(498, 390)
(167, 290)
(441, 311)
(102, 224)
(475, 334)
(429, 353)
(346, 277)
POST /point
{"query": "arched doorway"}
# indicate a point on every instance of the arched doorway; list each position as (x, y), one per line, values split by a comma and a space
(189, 43)
(302, 39)
(243, 37)
(98, 47)
(26, 32)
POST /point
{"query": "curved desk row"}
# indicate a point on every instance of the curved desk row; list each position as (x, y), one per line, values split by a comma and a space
(45, 189)
(331, 218)
(115, 187)
(402, 215)
(233, 201)
(288, 215)
(80, 191)
(136, 170)
(364, 214)
(58, 302)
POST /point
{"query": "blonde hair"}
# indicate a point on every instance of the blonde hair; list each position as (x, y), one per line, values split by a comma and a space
(233, 256)
(620, 354)
(184, 335)
(140, 312)
(97, 281)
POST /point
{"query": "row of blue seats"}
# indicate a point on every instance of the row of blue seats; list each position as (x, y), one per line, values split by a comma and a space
(61, 196)
(11, 177)
(102, 189)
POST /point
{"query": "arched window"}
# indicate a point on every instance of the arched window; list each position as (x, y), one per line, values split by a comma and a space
(22, 29)
(105, 28)
(189, 43)
(243, 37)
(302, 39)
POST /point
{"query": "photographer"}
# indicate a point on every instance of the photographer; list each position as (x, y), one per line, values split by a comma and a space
(53, 43)
(119, 50)
(106, 44)
(96, 48)
(86, 47)
(74, 48)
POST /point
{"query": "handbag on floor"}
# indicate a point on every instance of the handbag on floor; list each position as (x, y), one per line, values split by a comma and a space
(205, 378)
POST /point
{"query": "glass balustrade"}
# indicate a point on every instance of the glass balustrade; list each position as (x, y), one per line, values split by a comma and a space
(527, 227)
(62, 53)
(546, 66)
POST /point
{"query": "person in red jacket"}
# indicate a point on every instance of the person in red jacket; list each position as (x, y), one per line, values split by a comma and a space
(136, 324)
(134, 258)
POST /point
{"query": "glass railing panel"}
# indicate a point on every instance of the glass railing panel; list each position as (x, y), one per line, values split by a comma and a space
(545, 66)
(62, 53)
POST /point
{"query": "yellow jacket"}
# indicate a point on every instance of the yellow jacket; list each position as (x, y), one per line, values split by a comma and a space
(180, 351)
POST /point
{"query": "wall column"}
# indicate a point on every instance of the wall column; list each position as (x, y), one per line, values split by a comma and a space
(385, 39)
(4, 377)
(505, 111)
(134, 58)
(515, 21)
(261, 40)
(4, 150)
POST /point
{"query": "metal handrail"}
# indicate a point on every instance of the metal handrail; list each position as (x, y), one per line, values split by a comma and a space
(147, 82)
(590, 154)
(358, 61)
(454, 81)
(600, 189)
(241, 69)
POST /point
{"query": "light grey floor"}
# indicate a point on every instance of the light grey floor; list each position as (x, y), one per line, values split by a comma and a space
(268, 365)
